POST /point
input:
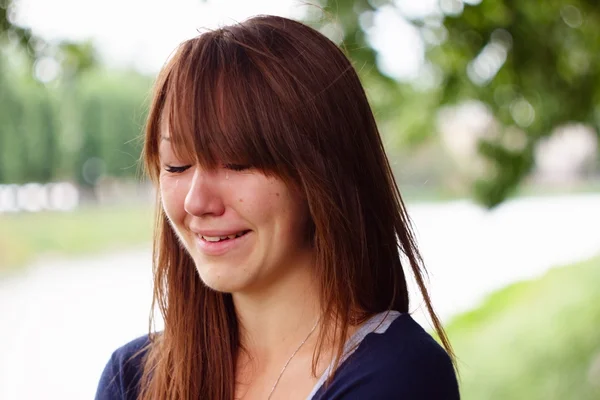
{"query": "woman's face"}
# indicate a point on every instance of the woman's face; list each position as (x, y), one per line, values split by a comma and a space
(243, 229)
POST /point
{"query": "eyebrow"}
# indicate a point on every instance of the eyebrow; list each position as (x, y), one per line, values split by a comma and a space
(167, 138)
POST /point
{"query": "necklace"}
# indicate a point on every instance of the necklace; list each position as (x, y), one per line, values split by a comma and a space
(290, 359)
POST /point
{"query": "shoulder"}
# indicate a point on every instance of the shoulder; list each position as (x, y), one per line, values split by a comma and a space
(403, 362)
(122, 373)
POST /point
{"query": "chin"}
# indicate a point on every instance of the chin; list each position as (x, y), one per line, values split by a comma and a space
(220, 287)
(220, 282)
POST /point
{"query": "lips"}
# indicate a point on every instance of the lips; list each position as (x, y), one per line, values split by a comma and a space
(220, 243)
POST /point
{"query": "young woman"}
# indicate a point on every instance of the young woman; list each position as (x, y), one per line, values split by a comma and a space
(282, 242)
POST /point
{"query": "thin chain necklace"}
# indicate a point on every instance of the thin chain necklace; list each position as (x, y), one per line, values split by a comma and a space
(290, 359)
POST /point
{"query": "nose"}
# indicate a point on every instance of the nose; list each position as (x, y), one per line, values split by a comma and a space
(203, 197)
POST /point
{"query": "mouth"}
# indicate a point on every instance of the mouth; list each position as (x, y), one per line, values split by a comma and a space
(217, 239)
(220, 245)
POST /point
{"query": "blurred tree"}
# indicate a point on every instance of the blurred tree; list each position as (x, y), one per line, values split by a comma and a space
(10, 144)
(534, 66)
(37, 134)
(61, 115)
(12, 31)
(75, 57)
(113, 109)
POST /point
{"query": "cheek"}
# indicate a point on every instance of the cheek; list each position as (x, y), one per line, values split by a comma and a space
(291, 211)
(172, 193)
(299, 215)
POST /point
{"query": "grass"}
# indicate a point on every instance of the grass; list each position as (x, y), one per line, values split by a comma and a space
(27, 237)
(534, 340)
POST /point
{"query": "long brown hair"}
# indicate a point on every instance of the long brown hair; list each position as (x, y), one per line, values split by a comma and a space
(275, 94)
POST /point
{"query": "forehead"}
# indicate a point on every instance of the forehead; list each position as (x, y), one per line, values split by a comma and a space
(179, 145)
(164, 133)
(164, 144)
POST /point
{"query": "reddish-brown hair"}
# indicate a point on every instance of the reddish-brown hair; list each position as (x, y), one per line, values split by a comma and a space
(278, 95)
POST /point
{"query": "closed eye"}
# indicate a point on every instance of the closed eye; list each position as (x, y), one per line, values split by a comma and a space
(175, 169)
(236, 167)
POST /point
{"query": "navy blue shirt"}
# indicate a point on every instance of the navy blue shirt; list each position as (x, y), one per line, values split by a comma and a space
(390, 357)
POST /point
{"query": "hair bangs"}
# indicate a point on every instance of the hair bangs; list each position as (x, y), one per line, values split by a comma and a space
(216, 108)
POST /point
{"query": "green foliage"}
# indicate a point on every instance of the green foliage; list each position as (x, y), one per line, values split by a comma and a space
(399, 109)
(113, 109)
(78, 126)
(551, 72)
(21, 35)
(509, 167)
(546, 57)
(533, 340)
(27, 134)
(50, 132)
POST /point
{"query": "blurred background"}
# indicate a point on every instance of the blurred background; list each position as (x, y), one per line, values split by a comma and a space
(490, 111)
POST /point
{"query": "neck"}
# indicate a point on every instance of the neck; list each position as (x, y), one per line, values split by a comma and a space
(276, 319)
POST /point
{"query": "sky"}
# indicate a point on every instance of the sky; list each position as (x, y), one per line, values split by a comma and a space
(143, 33)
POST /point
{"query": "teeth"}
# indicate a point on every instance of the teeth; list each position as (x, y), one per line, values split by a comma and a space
(211, 238)
(218, 238)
